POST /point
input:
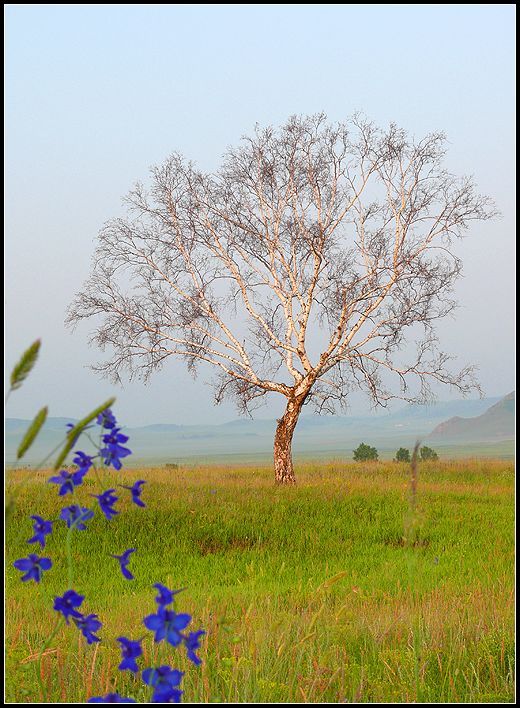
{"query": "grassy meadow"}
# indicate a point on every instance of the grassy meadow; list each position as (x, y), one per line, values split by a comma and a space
(335, 590)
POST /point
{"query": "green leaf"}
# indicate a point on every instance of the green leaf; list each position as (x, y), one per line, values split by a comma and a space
(24, 366)
(73, 434)
(32, 432)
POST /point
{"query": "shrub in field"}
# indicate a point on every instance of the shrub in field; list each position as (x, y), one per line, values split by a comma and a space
(402, 455)
(365, 453)
(166, 624)
(428, 454)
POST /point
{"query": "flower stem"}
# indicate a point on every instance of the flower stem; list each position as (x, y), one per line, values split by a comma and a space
(68, 544)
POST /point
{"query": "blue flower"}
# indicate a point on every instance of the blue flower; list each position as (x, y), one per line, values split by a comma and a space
(88, 624)
(167, 624)
(34, 567)
(129, 651)
(167, 695)
(83, 461)
(68, 480)
(123, 561)
(107, 419)
(136, 492)
(75, 516)
(164, 681)
(67, 603)
(41, 529)
(165, 596)
(191, 642)
(113, 452)
(111, 698)
(106, 502)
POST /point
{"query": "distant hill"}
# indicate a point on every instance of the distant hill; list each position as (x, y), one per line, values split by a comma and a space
(319, 436)
(19, 425)
(497, 423)
(466, 407)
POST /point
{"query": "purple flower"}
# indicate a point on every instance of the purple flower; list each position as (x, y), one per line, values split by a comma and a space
(167, 624)
(165, 596)
(106, 419)
(113, 452)
(68, 480)
(83, 461)
(136, 491)
(164, 681)
(67, 603)
(167, 695)
(129, 651)
(33, 566)
(191, 642)
(106, 502)
(41, 529)
(111, 698)
(123, 561)
(88, 624)
(75, 516)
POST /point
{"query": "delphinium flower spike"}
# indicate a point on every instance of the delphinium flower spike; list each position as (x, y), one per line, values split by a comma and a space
(192, 643)
(110, 698)
(164, 681)
(68, 480)
(33, 566)
(107, 419)
(167, 625)
(130, 650)
(67, 604)
(165, 596)
(83, 461)
(106, 502)
(88, 624)
(41, 529)
(75, 516)
(113, 451)
(123, 562)
(136, 490)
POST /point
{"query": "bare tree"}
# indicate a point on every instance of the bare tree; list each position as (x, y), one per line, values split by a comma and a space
(297, 268)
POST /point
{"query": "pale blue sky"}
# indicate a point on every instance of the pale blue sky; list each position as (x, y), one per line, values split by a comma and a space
(95, 94)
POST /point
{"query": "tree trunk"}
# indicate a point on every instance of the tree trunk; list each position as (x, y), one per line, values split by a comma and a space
(283, 466)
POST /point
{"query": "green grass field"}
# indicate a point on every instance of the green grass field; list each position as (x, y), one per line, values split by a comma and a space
(332, 591)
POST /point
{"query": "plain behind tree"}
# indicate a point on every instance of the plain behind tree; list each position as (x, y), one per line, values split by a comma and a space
(301, 267)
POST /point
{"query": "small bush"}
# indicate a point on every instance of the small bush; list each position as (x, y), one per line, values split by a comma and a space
(365, 453)
(428, 454)
(402, 455)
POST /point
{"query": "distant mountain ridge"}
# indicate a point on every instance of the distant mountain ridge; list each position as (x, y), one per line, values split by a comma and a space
(497, 423)
(320, 435)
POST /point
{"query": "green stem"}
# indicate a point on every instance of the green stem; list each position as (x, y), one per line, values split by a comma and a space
(68, 546)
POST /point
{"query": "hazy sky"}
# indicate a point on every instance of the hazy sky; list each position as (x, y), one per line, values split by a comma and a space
(96, 94)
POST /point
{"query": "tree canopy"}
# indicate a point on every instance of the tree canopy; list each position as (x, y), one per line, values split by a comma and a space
(301, 267)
